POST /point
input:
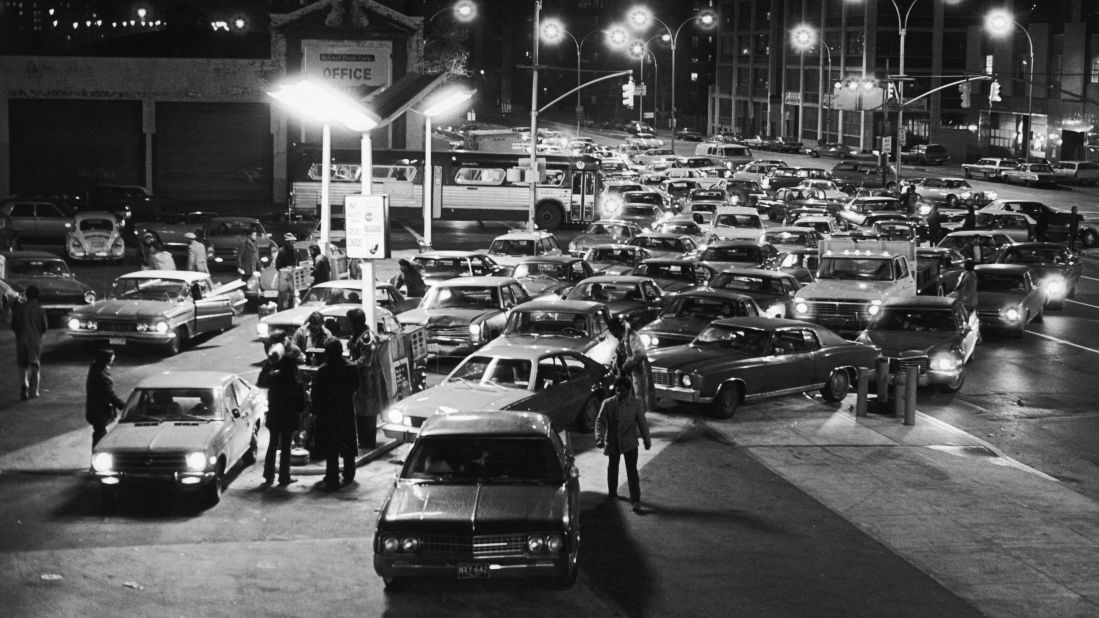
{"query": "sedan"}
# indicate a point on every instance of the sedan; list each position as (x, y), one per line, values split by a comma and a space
(95, 236)
(935, 334)
(784, 238)
(480, 495)
(462, 314)
(951, 192)
(565, 385)
(739, 360)
(1054, 268)
(1007, 297)
(181, 429)
(577, 325)
(661, 244)
(59, 290)
(615, 259)
(738, 254)
(674, 275)
(644, 215)
(687, 314)
(634, 299)
(681, 225)
(832, 150)
(438, 266)
(601, 232)
(222, 236)
(551, 274)
(37, 221)
(1031, 174)
(772, 290)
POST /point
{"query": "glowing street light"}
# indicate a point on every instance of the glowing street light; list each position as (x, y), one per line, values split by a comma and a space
(463, 11)
(437, 105)
(553, 32)
(804, 38)
(1000, 23)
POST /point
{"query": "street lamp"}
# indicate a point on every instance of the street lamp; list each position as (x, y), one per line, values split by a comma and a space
(463, 10)
(553, 31)
(639, 50)
(640, 17)
(326, 105)
(1000, 23)
(437, 105)
(804, 38)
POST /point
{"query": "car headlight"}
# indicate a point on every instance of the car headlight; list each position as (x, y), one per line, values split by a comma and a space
(874, 307)
(391, 544)
(536, 544)
(572, 246)
(161, 327)
(89, 297)
(801, 308)
(685, 380)
(477, 332)
(1011, 314)
(196, 461)
(966, 195)
(263, 330)
(924, 209)
(554, 544)
(1054, 286)
(102, 462)
(74, 324)
(649, 340)
(945, 363)
(395, 416)
(410, 544)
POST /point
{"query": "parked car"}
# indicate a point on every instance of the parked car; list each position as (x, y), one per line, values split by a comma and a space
(438, 266)
(977, 245)
(464, 313)
(300, 223)
(59, 290)
(1054, 268)
(688, 313)
(789, 198)
(184, 430)
(926, 154)
(936, 334)
(739, 360)
(223, 236)
(664, 245)
(564, 385)
(946, 272)
(509, 249)
(485, 494)
(679, 190)
(164, 308)
(551, 274)
(615, 259)
(772, 290)
(791, 237)
(950, 192)
(735, 223)
(989, 168)
(1057, 223)
(345, 292)
(131, 204)
(681, 226)
(781, 177)
(1031, 175)
(601, 232)
(739, 254)
(832, 150)
(1007, 298)
(95, 236)
(689, 135)
(634, 299)
(674, 275)
(37, 221)
(1077, 172)
(853, 175)
(577, 325)
(644, 215)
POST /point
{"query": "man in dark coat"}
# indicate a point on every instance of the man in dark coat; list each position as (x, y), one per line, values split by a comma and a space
(934, 225)
(621, 420)
(285, 261)
(332, 396)
(970, 221)
(28, 322)
(322, 271)
(410, 278)
(285, 402)
(247, 256)
(367, 353)
(101, 404)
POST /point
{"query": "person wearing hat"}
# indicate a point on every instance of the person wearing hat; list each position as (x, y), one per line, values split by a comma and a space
(285, 261)
(285, 403)
(196, 254)
(101, 403)
(146, 251)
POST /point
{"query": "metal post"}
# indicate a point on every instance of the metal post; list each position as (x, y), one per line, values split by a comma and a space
(428, 170)
(911, 381)
(881, 372)
(534, 121)
(366, 267)
(675, 112)
(863, 392)
(326, 181)
(899, 383)
(577, 85)
(641, 79)
(1074, 229)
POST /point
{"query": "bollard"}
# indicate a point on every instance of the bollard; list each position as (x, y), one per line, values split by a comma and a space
(912, 380)
(881, 370)
(863, 392)
(898, 394)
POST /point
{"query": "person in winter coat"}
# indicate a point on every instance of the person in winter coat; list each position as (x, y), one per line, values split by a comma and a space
(322, 270)
(162, 258)
(248, 256)
(285, 402)
(332, 397)
(146, 251)
(101, 403)
(630, 359)
(196, 254)
(371, 397)
(312, 334)
(28, 322)
(411, 279)
(621, 420)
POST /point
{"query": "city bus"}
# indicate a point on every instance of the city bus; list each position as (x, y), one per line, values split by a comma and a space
(467, 185)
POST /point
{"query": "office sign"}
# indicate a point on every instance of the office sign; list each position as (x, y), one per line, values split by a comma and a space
(346, 65)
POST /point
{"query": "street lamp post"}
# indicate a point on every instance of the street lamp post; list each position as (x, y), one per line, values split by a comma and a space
(640, 50)
(804, 37)
(1000, 23)
(438, 105)
(640, 18)
(553, 32)
(533, 201)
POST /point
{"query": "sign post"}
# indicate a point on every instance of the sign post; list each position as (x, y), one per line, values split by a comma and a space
(368, 240)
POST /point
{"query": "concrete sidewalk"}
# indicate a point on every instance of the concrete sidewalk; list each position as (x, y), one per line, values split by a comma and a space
(1009, 539)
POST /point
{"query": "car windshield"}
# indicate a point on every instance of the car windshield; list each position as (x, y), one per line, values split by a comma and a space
(866, 269)
(513, 372)
(660, 244)
(606, 292)
(548, 324)
(1000, 282)
(915, 319)
(824, 227)
(790, 238)
(644, 198)
(618, 256)
(1032, 256)
(752, 221)
(442, 265)
(703, 207)
(741, 339)
(876, 205)
(492, 459)
(333, 296)
(149, 288)
(689, 229)
(749, 254)
(747, 283)
(680, 272)
(605, 229)
(1041, 167)
(704, 308)
(551, 270)
(462, 297)
(235, 228)
(38, 268)
(504, 246)
(157, 405)
(638, 211)
(96, 225)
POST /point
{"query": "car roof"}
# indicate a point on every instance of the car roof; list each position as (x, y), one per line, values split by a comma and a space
(476, 281)
(614, 245)
(737, 210)
(525, 351)
(523, 235)
(738, 243)
(449, 254)
(616, 279)
(341, 309)
(922, 301)
(709, 292)
(585, 306)
(94, 214)
(614, 222)
(347, 284)
(186, 379)
(555, 259)
(672, 235)
(37, 255)
(181, 275)
(789, 229)
(495, 422)
(1035, 245)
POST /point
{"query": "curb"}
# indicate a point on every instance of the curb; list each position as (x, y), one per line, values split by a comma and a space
(318, 469)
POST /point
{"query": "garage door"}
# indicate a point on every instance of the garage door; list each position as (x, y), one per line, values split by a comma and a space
(66, 146)
(213, 154)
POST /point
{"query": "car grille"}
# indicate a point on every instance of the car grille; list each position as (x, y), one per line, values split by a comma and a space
(62, 299)
(118, 327)
(663, 377)
(899, 365)
(150, 462)
(459, 332)
(477, 547)
(838, 311)
(989, 315)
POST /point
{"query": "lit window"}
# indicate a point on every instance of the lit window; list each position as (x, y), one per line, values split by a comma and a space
(988, 64)
(1095, 69)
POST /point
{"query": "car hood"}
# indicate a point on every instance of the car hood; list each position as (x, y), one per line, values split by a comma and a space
(458, 397)
(995, 300)
(689, 357)
(853, 290)
(1040, 272)
(611, 268)
(160, 437)
(474, 508)
(445, 317)
(541, 285)
(738, 233)
(295, 316)
(909, 343)
(127, 309)
(50, 286)
(577, 344)
(584, 241)
(676, 326)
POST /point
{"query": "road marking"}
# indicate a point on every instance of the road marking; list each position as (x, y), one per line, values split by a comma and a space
(412, 233)
(1075, 345)
(1076, 302)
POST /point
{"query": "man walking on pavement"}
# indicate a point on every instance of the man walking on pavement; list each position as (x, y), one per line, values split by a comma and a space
(28, 322)
(367, 353)
(617, 427)
(102, 403)
(285, 402)
(196, 254)
(332, 396)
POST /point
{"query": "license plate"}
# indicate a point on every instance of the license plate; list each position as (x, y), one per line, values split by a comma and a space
(472, 571)
(101, 253)
(433, 348)
(270, 293)
(117, 341)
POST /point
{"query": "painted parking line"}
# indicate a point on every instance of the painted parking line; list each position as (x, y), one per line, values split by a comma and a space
(1076, 302)
(1069, 343)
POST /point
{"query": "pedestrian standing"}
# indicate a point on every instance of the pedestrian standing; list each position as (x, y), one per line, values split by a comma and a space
(196, 254)
(285, 263)
(101, 404)
(411, 279)
(970, 221)
(28, 322)
(621, 420)
(147, 250)
(322, 270)
(285, 402)
(312, 334)
(247, 256)
(371, 397)
(162, 258)
(910, 200)
(934, 225)
(631, 360)
(332, 396)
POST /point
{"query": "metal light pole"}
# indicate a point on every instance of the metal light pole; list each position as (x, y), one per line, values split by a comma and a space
(438, 105)
(1000, 23)
(554, 32)
(534, 121)
(804, 37)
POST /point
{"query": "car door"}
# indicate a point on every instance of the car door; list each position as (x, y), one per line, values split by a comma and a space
(604, 343)
(23, 221)
(212, 312)
(51, 223)
(553, 395)
(799, 363)
(1035, 299)
(228, 439)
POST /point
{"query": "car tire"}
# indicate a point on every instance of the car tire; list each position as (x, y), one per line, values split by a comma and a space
(250, 455)
(548, 217)
(814, 154)
(835, 389)
(567, 579)
(175, 344)
(727, 401)
(212, 491)
(585, 421)
(956, 385)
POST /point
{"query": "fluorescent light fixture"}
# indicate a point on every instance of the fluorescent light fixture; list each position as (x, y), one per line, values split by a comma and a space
(325, 104)
(447, 101)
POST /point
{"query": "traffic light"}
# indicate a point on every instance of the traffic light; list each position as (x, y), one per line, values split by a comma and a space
(891, 92)
(627, 93)
(994, 92)
(965, 89)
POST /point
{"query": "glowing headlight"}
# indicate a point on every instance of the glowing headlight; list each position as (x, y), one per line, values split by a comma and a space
(874, 308)
(649, 340)
(102, 462)
(390, 544)
(966, 195)
(945, 363)
(410, 544)
(536, 544)
(1055, 286)
(925, 209)
(395, 416)
(477, 331)
(74, 324)
(555, 544)
(801, 308)
(196, 461)
(161, 327)
(263, 330)
(1011, 314)
(685, 380)
(572, 246)
(89, 297)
